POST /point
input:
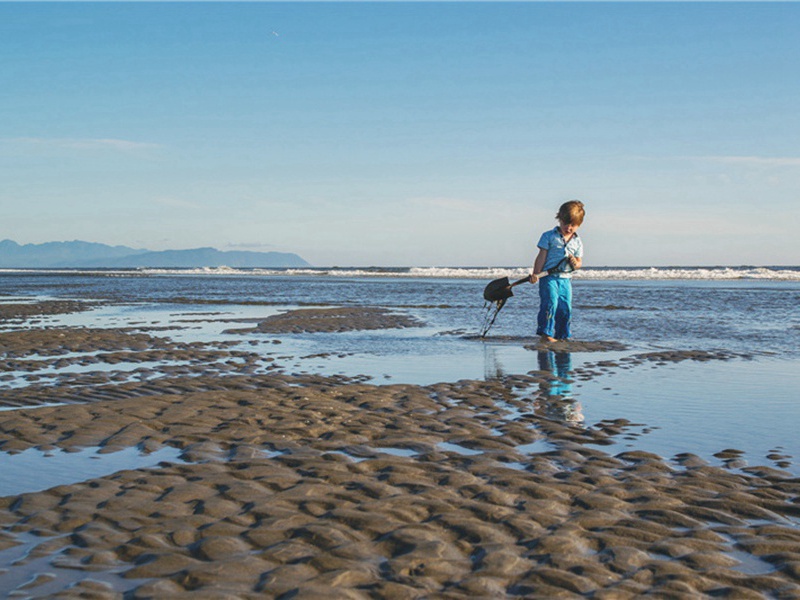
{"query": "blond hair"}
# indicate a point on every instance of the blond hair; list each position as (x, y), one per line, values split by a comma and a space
(571, 212)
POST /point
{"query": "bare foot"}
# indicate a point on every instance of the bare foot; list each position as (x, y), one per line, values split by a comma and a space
(547, 338)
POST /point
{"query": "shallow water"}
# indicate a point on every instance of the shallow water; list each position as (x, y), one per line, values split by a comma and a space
(703, 408)
(738, 314)
(34, 470)
(692, 407)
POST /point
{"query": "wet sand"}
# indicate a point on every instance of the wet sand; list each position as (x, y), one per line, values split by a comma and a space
(316, 320)
(308, 487)
(23, 310)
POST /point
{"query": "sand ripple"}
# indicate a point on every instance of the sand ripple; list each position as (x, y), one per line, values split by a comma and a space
(571, 521)
(309, 487)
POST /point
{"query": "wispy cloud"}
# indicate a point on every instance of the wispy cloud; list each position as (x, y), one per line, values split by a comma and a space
(80, 144)
(470, 209)
(448, 203)
(752, 161)
(456, 205)
(249, 246)
(661, 224)
(180, 203)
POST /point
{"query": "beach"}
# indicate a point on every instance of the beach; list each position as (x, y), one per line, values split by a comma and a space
(155, 447)
(284, 484)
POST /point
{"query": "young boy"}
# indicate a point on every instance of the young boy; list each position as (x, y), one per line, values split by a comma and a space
(560, 253)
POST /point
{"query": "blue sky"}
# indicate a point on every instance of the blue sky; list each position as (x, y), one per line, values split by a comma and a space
(405, 133)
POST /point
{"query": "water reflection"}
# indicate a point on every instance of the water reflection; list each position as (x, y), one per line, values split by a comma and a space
(555, 400)
(558, 364)
(492, 366)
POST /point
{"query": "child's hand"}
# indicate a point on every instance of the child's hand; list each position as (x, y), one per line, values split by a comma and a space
(533, 278)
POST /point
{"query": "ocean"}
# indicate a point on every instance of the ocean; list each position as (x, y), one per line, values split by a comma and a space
(750, 315)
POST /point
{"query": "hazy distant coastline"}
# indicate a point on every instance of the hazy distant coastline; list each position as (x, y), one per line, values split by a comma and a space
(79, 254)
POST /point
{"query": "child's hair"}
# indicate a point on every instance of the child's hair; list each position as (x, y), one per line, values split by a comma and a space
(571, 212)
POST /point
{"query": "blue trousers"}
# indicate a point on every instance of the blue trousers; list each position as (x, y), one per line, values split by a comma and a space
(555, 307)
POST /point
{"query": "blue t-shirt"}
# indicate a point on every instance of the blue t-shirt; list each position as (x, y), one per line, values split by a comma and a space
(557, 249)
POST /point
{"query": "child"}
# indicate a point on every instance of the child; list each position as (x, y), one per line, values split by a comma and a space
(560, 253)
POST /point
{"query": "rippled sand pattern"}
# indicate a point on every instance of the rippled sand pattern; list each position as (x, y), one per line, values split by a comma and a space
(309, 487)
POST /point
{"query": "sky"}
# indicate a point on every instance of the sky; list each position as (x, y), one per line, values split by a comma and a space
(405, 134)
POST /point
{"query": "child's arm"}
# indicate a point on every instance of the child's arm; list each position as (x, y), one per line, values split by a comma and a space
(575, 261)
(538, 264)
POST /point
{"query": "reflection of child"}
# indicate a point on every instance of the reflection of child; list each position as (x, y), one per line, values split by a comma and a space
(555, 400)
(560, 253)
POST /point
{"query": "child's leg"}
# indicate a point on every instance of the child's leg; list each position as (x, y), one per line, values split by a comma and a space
(548, 301)
(563, 316)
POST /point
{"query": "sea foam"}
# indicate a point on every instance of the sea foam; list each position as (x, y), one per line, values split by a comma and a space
(589, 273)
(482, 273)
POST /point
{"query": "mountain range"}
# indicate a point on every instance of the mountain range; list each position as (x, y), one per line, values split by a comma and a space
(78, 254)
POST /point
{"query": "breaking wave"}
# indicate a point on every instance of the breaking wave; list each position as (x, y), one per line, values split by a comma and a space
(602, 273)
(483, 273)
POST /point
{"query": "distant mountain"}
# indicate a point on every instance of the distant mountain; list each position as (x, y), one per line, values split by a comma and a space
(77, 254)
(208, 257)
(58, 254)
